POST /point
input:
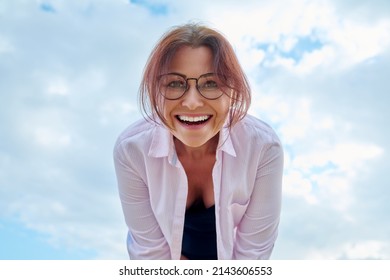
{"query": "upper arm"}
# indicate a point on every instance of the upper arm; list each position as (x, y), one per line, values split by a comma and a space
(258, 229)
(145, 239)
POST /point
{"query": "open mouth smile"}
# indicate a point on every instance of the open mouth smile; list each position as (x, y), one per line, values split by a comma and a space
(198, 120)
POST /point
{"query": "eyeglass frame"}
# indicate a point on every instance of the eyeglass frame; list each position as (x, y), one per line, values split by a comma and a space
(188, 85)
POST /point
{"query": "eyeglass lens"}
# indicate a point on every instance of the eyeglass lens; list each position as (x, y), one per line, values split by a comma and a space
(173, 86)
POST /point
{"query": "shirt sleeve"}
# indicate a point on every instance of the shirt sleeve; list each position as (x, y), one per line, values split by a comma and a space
(145, 239)
(258, 229)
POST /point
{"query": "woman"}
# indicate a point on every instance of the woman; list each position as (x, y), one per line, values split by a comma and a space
(198, 178)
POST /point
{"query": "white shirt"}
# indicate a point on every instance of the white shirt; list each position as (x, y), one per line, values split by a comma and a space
(247, 178)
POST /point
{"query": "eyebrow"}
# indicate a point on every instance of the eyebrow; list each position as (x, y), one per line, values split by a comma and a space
(185, 77)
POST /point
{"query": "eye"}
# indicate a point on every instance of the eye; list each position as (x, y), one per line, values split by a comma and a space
(176, 84)
(209, 85)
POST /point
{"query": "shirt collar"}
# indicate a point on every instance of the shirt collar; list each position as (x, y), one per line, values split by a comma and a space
(162, 143)
(225, 143)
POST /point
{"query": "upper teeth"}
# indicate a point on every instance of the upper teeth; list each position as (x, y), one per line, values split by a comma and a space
(193, 119)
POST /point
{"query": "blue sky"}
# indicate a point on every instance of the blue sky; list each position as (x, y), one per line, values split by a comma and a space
(69, 74)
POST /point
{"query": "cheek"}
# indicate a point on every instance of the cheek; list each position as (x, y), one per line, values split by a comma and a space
(224, 108)
(167, 109)
(164, 108)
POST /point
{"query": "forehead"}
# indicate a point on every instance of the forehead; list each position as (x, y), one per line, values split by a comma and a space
(192, 62)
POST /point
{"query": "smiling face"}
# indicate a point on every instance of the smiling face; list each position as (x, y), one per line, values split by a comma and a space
(194, 120)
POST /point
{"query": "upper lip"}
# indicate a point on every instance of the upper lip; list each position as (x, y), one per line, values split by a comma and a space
(193, 115)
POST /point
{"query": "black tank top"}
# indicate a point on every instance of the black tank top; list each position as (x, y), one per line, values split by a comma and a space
(199, 235)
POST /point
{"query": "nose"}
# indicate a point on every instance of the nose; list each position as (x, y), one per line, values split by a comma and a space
(192, 98)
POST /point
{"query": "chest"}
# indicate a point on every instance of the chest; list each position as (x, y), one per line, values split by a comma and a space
(200, 181)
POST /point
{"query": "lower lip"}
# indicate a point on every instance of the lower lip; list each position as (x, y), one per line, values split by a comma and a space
(194, 126)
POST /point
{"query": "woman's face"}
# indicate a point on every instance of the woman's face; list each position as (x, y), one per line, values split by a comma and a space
(194, 119)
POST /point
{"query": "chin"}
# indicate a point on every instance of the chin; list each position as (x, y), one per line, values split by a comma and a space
(192, 142)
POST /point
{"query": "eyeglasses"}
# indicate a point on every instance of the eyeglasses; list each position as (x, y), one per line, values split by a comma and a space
(173, 86)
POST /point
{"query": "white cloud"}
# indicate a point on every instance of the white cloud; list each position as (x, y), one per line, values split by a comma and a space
(362, 41)
(73, 88)
(324, 58)
(345, 41)
(95, 226)
(115, 111)
(295, 184)
(323, 162)
(5, 45)
(366, 249)
(58, 87)
(49, 138)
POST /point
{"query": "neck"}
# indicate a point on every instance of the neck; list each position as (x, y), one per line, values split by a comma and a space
(207, 149)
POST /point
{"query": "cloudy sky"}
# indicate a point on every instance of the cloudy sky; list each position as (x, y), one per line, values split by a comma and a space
(69, 74)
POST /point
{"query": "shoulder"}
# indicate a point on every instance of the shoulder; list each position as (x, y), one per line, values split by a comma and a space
(256, 141)
(252, 129)
(138, 136)
(139, 128)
